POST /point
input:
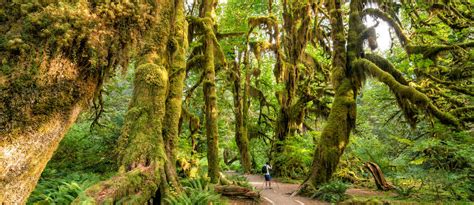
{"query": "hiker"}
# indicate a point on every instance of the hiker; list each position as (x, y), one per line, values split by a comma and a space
(266, 170)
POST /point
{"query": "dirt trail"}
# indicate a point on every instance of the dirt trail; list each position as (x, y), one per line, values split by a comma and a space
(280, 193)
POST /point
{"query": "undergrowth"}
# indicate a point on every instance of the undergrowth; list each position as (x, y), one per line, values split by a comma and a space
(331, 192)
(196, 192)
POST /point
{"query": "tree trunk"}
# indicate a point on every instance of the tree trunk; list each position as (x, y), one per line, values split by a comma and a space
(210, 95)
(291, 114)
(241, 134)
(237, 191)
(335, 135)
(141, 147)
(379, 178)
(23, 156)
(177, 74)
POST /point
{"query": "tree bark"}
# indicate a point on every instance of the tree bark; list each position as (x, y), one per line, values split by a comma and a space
(23, 156)
(141, 146)
(237, 191)
(379, 178)
(209, 90)
(177, 74)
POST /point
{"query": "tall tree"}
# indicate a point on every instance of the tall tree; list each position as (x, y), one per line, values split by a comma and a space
(55, 57)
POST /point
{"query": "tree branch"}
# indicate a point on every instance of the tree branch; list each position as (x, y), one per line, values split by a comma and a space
(406, 92)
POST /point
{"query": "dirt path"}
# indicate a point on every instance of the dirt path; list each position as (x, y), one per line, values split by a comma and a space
(280, 193)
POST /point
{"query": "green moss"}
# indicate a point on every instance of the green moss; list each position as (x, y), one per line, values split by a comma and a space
(134, 187)
(142, 132)
(406, 92)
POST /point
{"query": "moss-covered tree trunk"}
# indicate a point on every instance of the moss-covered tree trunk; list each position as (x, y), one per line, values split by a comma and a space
(335, 135)
(141, 146)
(146, 146)
(25, 153)
(177, 74)
(241, 137)
(209, 88)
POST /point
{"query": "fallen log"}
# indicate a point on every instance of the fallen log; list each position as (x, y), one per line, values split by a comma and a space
(236, 191)
(380, 181)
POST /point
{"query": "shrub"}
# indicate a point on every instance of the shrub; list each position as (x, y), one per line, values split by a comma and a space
(332, 192)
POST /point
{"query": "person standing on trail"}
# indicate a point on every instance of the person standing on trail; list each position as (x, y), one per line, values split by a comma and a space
(266, 171)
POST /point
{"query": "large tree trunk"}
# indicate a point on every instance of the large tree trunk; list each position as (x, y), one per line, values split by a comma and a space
(141, 146)
(335, 135)
(23, 156)
(209, 89)
(146, 146)
(291, 114)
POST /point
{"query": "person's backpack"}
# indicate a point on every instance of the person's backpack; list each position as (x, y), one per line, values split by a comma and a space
(264, 169)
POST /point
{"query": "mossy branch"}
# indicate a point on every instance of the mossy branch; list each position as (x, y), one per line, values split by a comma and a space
(386, 66)
(197, 60)
(405, 91)
(433, 50)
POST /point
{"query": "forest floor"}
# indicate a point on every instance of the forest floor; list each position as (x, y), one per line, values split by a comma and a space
(281, 193)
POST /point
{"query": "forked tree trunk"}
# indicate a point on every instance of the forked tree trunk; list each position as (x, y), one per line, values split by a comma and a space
(335, 135)
(379, 178)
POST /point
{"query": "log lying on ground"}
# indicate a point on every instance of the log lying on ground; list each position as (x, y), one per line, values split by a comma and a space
(236, 191)
(380, 181)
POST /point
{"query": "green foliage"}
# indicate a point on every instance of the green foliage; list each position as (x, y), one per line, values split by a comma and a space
(429, 163)
(332, 192)
(196, 192)
(56, 187)
(296, 158)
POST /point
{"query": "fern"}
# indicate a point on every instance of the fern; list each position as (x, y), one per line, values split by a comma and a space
(331, 192)
(196, 192)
